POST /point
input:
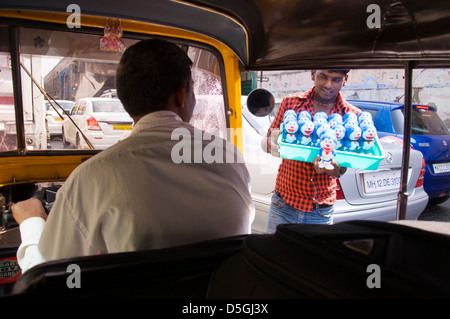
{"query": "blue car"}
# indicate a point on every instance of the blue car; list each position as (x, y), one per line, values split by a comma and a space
(429, 135)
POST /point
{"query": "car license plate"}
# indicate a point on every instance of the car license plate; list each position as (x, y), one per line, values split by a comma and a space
(441, 168)
(125, 127)
(382, 181)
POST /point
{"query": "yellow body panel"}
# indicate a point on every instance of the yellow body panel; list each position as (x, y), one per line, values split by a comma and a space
(22, 169)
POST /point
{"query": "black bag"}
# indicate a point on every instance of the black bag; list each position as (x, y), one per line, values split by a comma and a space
(358, 259)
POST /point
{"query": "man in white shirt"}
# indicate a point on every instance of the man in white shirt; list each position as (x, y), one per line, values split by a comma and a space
(135, 195)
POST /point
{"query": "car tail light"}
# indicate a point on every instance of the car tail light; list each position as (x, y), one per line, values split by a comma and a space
(92, 124)
(339, 192)
(422, 173)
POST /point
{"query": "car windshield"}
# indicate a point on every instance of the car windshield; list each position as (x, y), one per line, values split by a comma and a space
(65, 105)
(108, 106)
(425, 121)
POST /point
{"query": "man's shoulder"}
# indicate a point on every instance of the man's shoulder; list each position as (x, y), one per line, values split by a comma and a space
(299, 95)
(347, 106)
(296, 99)
(350, 107)
(293, 96)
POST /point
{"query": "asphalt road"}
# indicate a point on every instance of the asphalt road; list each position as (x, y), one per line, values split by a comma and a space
(437, 212)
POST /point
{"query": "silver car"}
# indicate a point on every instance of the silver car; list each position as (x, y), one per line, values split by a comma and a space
(103, 121)
(361, 194)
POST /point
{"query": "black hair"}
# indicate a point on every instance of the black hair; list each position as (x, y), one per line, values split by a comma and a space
(148, 73)
(342, 71)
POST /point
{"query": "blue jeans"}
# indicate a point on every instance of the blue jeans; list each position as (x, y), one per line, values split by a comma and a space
(282, 213)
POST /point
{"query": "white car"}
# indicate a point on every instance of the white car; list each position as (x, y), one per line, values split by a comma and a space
(103, 122)
(53, 120)
(355, 200)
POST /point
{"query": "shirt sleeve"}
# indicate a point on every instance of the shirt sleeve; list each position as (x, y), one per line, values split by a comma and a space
(28, 254)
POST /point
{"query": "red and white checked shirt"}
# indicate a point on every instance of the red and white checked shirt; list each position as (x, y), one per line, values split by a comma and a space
(297, 182)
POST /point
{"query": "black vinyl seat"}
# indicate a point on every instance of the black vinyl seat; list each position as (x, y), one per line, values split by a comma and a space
(354, 259)
(176, 272)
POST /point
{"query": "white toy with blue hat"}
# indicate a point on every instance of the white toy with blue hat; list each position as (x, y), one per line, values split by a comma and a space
(327, 151)
(352, 135)
(368, 137)
(305, 130)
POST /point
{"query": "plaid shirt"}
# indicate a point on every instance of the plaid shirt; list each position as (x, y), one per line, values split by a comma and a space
(297, 182)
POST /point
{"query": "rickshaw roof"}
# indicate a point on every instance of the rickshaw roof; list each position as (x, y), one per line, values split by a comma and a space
(294, 34)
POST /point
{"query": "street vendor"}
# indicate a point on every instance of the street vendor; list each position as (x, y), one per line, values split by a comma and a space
(305, 192)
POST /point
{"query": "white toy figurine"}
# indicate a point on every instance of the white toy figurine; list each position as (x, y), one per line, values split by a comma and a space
(365, 122)
(303, 117)
(304, 132)
(339, 131)
(318, 130)
(290, 128)
(352, 135)
(305, 114)
(350, 122)
(327, 150)
(320, 114)
(334, 119)
(350, 116)
(289, 114)
(319, 121)
(364, 116)
(368, 138)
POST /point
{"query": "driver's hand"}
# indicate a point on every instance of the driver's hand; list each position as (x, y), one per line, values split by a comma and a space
(270, 144)
(28, 208)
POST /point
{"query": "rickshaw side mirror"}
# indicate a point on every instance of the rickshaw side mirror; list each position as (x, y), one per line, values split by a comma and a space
(260, 102)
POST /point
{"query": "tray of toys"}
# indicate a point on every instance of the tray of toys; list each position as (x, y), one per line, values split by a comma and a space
(351, 140)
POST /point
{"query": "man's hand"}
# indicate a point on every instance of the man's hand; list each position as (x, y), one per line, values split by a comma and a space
(270, 144)
(336, 172)
(28, 208)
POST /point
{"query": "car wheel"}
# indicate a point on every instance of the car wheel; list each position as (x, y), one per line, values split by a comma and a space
(437, 200)
(65, 143)
(78, 142)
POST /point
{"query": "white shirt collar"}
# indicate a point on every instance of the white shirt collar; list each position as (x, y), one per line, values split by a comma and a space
(155, 119)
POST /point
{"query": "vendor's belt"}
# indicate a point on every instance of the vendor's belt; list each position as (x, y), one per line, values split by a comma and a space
(320, 206)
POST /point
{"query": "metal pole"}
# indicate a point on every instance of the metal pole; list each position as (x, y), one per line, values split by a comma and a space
(17, 87)
(402, 198)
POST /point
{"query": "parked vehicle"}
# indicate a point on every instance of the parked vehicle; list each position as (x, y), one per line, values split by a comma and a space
(362, 194)
(7, 127)
(102, 120)
(112, 93)
(53, 119)
(429, 135)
